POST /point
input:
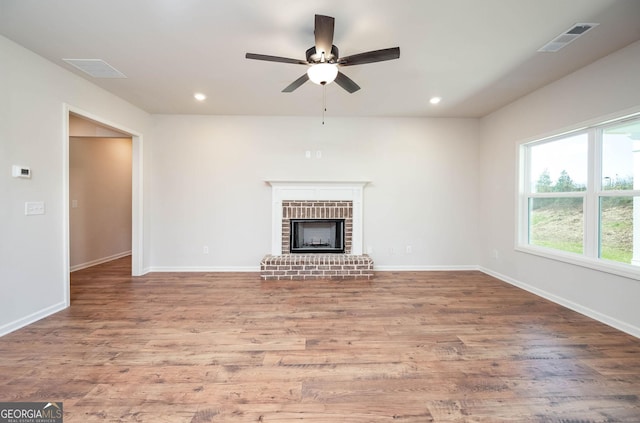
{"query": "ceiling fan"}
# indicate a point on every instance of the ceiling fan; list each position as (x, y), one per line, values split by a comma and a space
(323, 59)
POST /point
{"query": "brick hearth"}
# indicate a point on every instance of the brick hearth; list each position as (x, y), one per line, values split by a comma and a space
(316, 266)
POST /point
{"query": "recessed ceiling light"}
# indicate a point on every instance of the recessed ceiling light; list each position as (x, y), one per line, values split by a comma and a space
(200, 96)
(435, 100)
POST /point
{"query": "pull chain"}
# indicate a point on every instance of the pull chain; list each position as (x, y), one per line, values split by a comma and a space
(324, 101)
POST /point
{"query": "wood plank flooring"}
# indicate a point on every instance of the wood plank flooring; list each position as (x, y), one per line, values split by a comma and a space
(403, 347)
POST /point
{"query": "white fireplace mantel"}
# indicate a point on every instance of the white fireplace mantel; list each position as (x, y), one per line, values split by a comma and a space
(316, 190)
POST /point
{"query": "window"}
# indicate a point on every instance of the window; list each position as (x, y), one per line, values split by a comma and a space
(580, 196)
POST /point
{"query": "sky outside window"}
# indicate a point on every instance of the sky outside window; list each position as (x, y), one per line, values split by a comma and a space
(568, 154)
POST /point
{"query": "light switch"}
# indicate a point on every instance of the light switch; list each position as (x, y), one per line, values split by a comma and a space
(20, 171)
(33, 207)
(74, 204)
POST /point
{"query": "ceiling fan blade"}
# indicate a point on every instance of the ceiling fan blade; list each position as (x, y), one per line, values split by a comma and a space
(295, 84)
(370, 57)
(275, 59)
(347, 83)
(324, 34)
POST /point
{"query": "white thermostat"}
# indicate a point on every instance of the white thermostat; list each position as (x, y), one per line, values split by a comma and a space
(20, 172)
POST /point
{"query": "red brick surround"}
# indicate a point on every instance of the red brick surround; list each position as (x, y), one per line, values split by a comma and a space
(317, 210)
(316, 266)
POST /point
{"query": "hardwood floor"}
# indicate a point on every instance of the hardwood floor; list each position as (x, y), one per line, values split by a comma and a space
(403, 347)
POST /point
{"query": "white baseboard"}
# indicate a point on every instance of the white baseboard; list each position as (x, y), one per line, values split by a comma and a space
(210, 269)
(99, 261)
(32, 318)
(596, 315)
(423, 268)
(257, 268)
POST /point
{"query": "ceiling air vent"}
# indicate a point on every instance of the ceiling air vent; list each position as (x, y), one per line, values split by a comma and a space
(567, 37)
(96, 68)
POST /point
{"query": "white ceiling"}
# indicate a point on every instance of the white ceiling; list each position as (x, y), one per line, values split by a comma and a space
(478, 55)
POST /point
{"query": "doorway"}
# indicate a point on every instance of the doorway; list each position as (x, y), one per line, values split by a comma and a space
(90, 137)
(99, 193)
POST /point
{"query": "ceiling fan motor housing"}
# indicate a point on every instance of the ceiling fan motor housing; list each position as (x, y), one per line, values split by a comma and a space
(314, 57)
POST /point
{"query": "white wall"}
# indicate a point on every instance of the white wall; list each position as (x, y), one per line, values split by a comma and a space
(209, 186)
(605, 88)
(33, 93)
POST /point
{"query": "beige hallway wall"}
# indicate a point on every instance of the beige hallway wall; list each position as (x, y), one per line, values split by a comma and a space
(100, 199)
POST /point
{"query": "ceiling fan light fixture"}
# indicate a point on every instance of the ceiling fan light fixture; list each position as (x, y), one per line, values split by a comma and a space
(322, 73)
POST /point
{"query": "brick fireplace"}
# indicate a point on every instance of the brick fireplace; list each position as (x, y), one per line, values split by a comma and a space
(316, 210)
(316, 200)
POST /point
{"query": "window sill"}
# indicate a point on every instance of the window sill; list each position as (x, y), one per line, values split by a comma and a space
(619, 269)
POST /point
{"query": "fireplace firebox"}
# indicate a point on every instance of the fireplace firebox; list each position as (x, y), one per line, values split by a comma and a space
(317, 236)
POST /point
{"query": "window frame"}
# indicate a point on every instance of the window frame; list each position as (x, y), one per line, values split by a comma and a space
(590, 257)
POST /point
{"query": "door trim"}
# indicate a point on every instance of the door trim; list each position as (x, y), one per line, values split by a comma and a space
(137, 215)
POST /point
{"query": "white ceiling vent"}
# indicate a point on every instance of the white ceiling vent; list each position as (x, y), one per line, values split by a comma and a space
(96, 68)
(567, 37)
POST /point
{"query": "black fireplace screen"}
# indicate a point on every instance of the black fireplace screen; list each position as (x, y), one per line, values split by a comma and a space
(317, 236)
